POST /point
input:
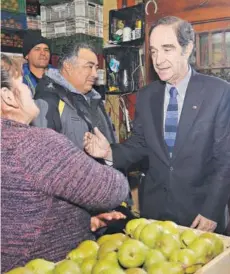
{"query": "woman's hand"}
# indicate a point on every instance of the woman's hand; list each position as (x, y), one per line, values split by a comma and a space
(104, 219)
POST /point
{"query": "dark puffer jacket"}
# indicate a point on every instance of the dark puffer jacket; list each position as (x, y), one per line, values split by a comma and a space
(81, 113)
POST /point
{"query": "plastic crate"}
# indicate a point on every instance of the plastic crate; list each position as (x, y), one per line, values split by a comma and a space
(14, 5)
(10, 20)
(54, 2)
(57, 44)
(34, 22)
(72, 10)
(70, 27)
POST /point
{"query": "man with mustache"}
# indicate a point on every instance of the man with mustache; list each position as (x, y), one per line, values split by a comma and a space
(69, 105)
(36, 50)
(182, 124)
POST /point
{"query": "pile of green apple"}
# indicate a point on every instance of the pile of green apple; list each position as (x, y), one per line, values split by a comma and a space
(154, 247)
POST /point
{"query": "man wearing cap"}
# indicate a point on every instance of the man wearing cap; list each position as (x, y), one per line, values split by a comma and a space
(36, 50)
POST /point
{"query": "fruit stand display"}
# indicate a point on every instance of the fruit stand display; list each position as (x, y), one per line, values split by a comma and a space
(13, 25)
(14, 5)
(146, 246)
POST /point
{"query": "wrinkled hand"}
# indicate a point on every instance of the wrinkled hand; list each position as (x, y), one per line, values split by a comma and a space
(204, 224)
(97, 145)
(104, 219)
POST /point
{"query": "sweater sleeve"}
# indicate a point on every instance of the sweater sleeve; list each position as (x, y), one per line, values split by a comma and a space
(60, 169)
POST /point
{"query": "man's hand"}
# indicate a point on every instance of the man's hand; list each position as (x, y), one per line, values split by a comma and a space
(204, 224)
(97, 145)
(104, 219)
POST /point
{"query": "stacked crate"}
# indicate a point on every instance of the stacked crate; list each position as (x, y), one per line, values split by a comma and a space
(13, 24)
(68, 18)
(33, 14)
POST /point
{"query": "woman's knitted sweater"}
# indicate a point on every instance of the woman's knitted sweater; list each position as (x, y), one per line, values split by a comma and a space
(48, 188)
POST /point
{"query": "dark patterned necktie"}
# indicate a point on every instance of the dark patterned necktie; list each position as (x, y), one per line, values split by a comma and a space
(171, 120)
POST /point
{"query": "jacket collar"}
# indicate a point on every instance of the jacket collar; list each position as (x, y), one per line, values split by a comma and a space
(57, 77)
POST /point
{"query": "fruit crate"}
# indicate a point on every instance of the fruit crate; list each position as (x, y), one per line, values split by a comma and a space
(71, 10)
(71, 27)
(221, 263)
(10, 20)
(57, 44)
(11, 40)
(14, 5)
(32, 8)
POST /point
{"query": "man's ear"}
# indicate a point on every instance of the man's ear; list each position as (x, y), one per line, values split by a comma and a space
(67, 66)
(188, 50)
(9, 98)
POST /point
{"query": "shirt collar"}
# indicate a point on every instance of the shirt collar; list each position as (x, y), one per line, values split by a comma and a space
(182, 85)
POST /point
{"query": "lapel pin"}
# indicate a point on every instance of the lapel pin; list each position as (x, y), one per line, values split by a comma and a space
(194, 107)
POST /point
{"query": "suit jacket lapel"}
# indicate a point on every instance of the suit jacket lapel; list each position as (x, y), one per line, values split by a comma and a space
(157, 108)
(193, 100)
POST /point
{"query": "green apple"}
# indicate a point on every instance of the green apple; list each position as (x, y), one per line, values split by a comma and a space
(153, 256)
(137, 231)
(203, 249)
(132, 253)
(103, 265)
(67, 267)
(20, 270)
(87, 265)
(187, 258)
(113, 270)
(108, 246)
(77, 255)
(135, 270)
(89, 248)
(119, 237)
(166, 268)
(218, 245)
(132, 225)
(103, 239)
(150, 233)
(40, 266)
(170, 227)
(111, 256)
(187, 237)
(167, 243)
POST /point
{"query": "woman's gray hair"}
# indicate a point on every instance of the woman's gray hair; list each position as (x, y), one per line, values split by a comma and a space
(6, 81)
(183, 29)
(70, 51)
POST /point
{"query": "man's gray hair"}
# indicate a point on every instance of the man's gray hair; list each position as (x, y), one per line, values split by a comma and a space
(70, 51)
(183, 29)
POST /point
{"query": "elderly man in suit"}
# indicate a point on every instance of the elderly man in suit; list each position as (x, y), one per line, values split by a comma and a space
(182, 123)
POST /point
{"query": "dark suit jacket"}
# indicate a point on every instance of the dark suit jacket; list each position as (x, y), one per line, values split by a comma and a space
(197, 178)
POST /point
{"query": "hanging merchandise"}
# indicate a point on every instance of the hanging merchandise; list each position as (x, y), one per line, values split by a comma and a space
(114, 65)
(127, 34)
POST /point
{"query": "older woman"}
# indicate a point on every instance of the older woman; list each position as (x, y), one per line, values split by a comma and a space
(49, 186)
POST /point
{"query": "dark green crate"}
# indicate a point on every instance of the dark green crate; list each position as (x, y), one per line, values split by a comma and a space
(54, 2)
(57, 44)
(8, 5)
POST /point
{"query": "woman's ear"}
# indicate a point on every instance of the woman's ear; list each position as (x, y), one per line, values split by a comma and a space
(8, 98)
